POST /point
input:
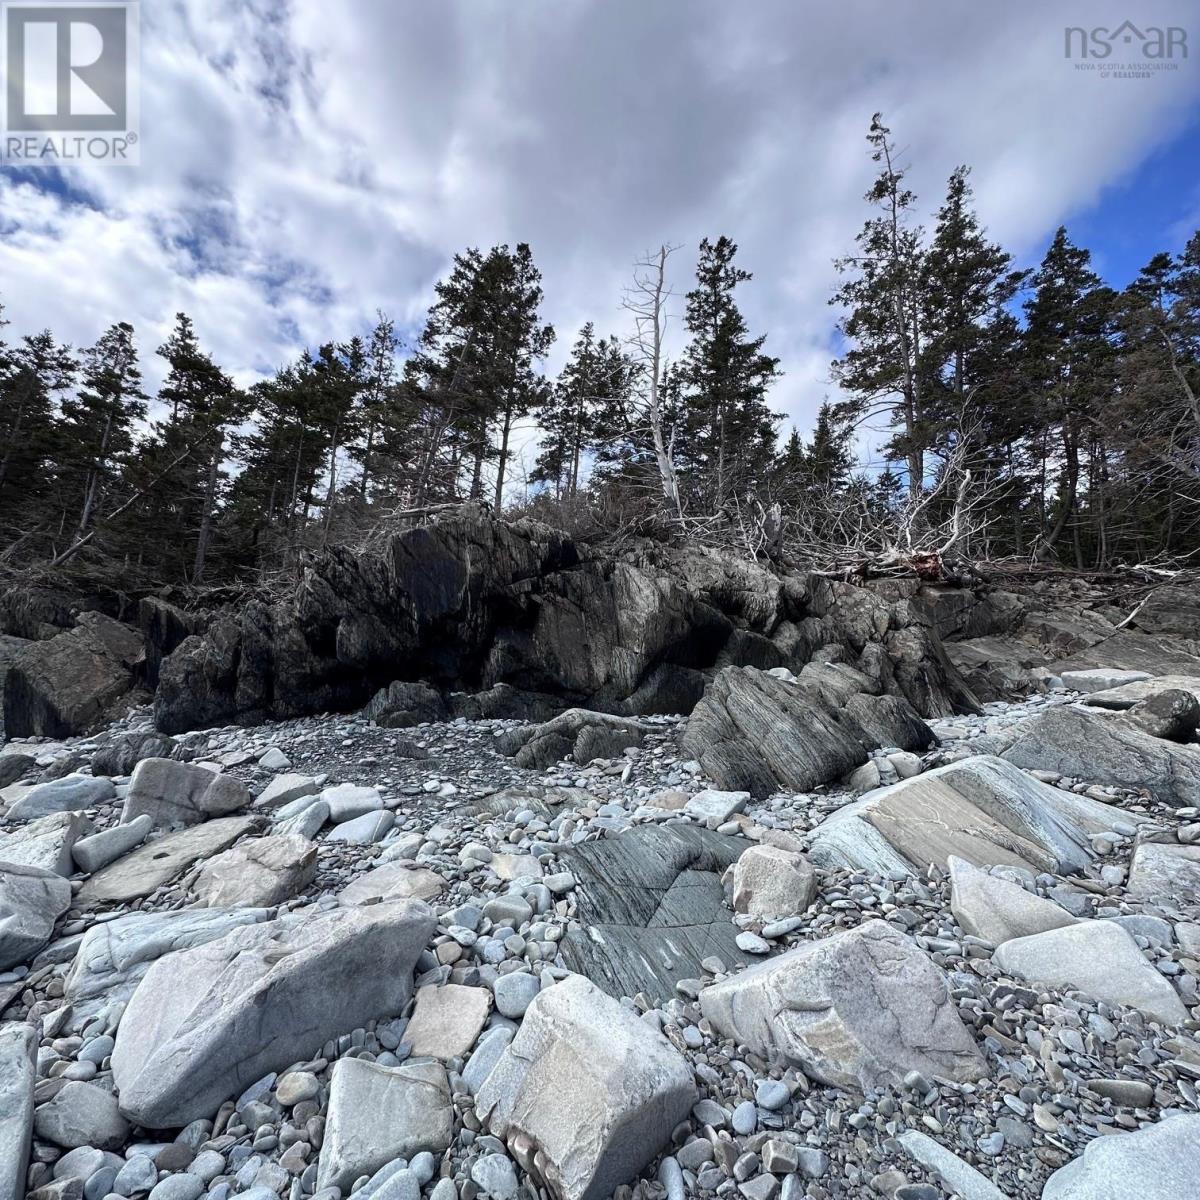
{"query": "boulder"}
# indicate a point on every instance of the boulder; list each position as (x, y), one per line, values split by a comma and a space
(205, 1023)
(366, 830)
(651, 907)
(1127, 693)
(1173, 610)
(1165, 873)
(257, 873)
(47, 843)
(177, 794)
(96, 852)
(81, 1114)
(1096, 957)
(348, 800)
(31, 901)
(393, 881)
(714, 808)
(18, 1074)
(14, 767)
(1172, 714)
(72, 793)
(996, 909)
(379, 1114)
(447, 1020)
(147, 868)
(957, 1176)
(577, 734)
(402, 705)
(770, 883)
(587, 1094)
(859, 1009)
(1091, 746)
(122, 754)
(980, 809)
(114, 956)
(1157, 1162)
(1098, 679)
(286, 789)
(755, 733)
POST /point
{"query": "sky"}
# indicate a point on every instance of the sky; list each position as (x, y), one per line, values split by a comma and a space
(306, 164)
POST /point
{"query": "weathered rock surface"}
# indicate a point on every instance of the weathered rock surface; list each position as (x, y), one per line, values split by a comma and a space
(97, 851)
(959, 1177)
(856, 1010)
(755, 733)
(447, 1020)
(150, 866)
(378, 1114)
(980, 809)
(1172, 714)
(1099, 958)
(71, 793)
(1097, 681)
(653, 906)
(73, 682)
(1158, 1162)
(770, 883)
(15, 766)
(1166, 873)
(996, 909)
(46, 843)
(577, 734)
(1088, 745)
(393, 881)
(122, 754)
(205, 1023)
(586, 1094)
(257, 873)
(176, 794)
(18, 1074)
(31, 901)
(113, 957)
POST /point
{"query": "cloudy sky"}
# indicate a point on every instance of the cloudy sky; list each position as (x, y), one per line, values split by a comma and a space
(306, 163)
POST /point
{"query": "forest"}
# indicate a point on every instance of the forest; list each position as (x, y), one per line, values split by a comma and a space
(1038, 415)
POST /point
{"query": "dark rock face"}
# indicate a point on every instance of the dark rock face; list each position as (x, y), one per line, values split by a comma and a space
(469, 603)
(122, 754)
(654, 901)
(755, 733)
(577, 734)
(72, 682)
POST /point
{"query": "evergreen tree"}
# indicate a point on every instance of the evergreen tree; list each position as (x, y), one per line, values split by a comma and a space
(380, 416)
(728, 438)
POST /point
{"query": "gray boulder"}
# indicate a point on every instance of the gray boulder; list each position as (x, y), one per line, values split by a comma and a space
(46, 843)
(997, 909)
(770, 883)
(1165, 873)
(1172, 714)
(96, 852)
(72, 793)
(14, 767)
(205, 1023)
(114, 956)
(982, 809)
(378, 1114)
(1099, 680)
(286, 789)
(1158, 1162)
(578, 734)
(587, 1094)
(1091, 746)
(1096, 957)
(860, 1009)
(31, 901)
(176, 794)
(447, 1020)
(18, 1074)
(393, 881)
(81, 1114)
(257, 873)
(121, 755)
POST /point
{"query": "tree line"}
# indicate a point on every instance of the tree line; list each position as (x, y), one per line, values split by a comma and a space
(1036, 413)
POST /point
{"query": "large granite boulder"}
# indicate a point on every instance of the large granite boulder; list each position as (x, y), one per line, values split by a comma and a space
(586, 1094)
(652, 908)
(378, 1114)
(71, 683)
(859, 1009)
(1157, 1162)
(257, 873)
(755, 733)
(205, 1023)
(18, 1074)
(175, 794)
(31, 901)
(980, 809)
(1096, 957)
(1093, 746)
(114, 956)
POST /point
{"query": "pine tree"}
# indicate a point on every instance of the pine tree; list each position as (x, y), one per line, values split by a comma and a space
(729, 430)
(381, 418)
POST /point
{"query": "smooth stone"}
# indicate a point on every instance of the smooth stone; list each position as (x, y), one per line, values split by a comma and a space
(81, 1114)
(72, 793)
(95, 852)
(447, 1020)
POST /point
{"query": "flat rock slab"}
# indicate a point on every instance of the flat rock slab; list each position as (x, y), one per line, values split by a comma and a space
(46, 843)
(72, 793)
(982, 809)
(18, 1074)
(652, 907)
(1096, 957)
(205, 1023)
(1136, 650)
(586, 1094)
(257, 872)
(1126, 695)
(859, 1009)
(159, 862)
(31, 901)
(378, 1114)
(959, 1177)
(996, 909)
(1099, 680)
(176, 794)
(114, 956)
(394, 881)
(1166, 873)
(447, 1020)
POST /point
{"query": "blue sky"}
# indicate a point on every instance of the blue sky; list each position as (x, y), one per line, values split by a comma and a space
(305, 165)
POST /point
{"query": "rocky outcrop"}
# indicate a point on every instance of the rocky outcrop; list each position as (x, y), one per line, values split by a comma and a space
(31, 901)
(576, 734)
(468, 602)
